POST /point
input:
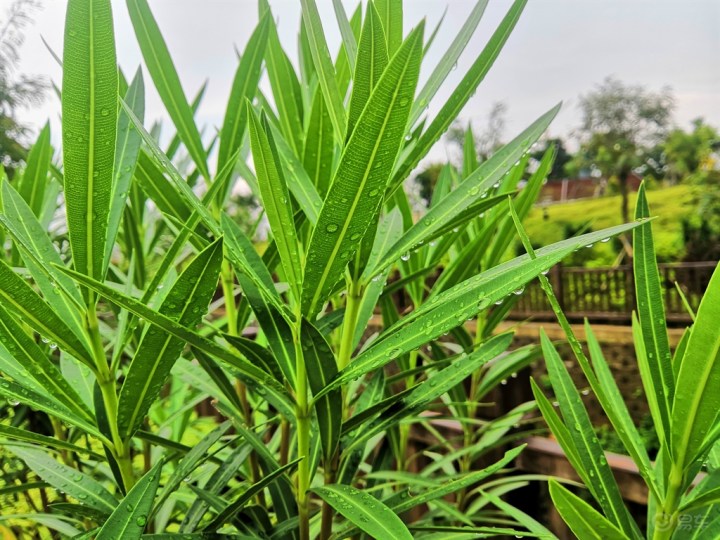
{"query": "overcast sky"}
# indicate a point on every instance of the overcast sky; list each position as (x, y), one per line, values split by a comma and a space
(560, 49)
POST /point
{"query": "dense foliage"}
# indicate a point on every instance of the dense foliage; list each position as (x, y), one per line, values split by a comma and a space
(131, 296)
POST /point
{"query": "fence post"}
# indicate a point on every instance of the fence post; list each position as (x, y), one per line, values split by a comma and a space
(557, 284)
(629, 288)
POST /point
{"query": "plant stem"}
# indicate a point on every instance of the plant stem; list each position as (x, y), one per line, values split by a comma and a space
(302, 417)
(106, 381)
(667, 515)
(350, 318)
(228, 286)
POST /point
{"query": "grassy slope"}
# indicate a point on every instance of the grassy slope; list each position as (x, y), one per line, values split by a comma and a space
(670, 205)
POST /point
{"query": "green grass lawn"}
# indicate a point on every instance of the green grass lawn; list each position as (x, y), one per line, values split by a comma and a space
(670, 205)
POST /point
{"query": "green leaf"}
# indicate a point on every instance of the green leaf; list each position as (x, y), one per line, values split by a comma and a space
(275, 198)
(582, 518)
(39, 254)
(129, 519)
(437, 384)
(696, 405)
(186, 302)
(351, 205)
(448, 62)
(299, 182)
(20, 297)
(459, 97)
(321, 366)
(162, 70)
(285, 86)
(457, 483)
(25, 351)
(606, 390)
(34, 398)
(169, 325)
(127, 148)
(195, 457)
(346, 32)
(472, 190)
(89, 111)
(592, 458)
(35, 177)
(319, 150)
(229, 512)
(76, 484)
(244, 87)
(176, 179)
(391, 16)
(324, 66)
(364, 511)
(23, 435)
(372, 61)
(463, 301)
(652, 315)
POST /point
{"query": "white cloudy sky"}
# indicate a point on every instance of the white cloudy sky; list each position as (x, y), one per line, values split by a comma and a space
(560, 49)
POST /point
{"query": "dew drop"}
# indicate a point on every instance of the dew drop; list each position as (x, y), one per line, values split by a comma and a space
(331, 228)
(519, 291)
(405, 257)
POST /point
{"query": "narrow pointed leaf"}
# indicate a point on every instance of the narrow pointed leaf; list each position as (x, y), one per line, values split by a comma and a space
(449, 60)
(227, 513)
(696, 405)
(285, 86)
(602, 483)
(173, 327)
(372, 61)
(162, 70)
(23, 435)
(583, 519)
(129, 519)
(275, 197)
(458, 98)
(460, 303)
(321, 367)
(364, 511)
(20, 297)
(35, 177)
(89, 111)
(324, 66)
(244, 87)
(127, 148)
(39, 254)
(472, 190)
(175, 178)
(186, 303)
(319, 147)
(353, 202)
(437, 384)
(346, 32)
(391, 16)
(27, 353)
(651, 313)
(76, 484)
(197, 455)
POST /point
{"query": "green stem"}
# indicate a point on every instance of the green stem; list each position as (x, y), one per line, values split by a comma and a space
(302, 417)
(350, 319)
(666, 516)
(228, 286)
(106, 381)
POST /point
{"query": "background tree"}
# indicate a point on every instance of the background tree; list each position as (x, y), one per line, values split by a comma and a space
(688, 154)
(16, 90)
(562, 157)
(621, 126)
